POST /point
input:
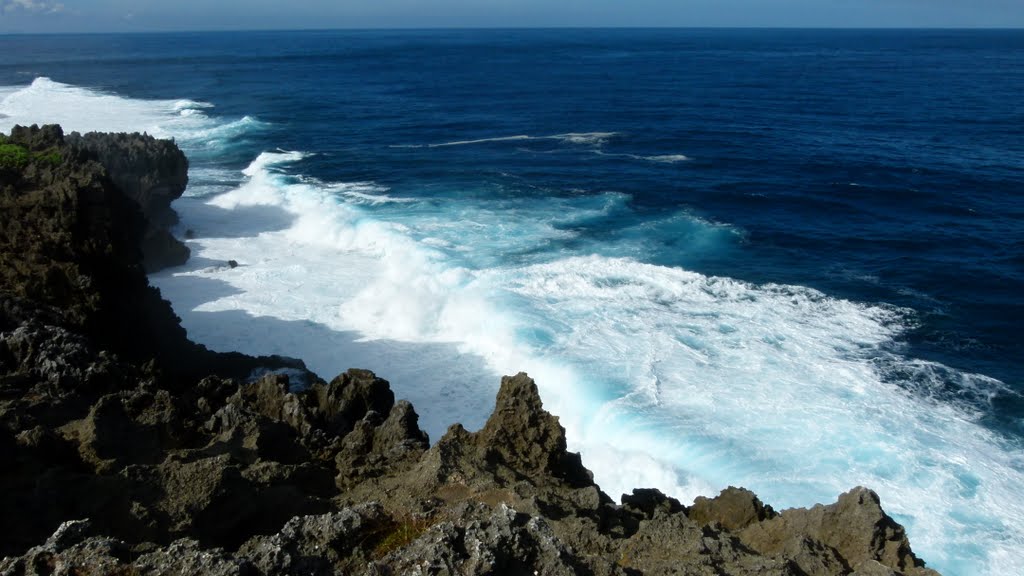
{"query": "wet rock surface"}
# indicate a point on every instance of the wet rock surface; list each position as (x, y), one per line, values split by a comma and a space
(128, 449)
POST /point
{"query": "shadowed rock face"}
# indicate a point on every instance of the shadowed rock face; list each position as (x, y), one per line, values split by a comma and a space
(152, 173)
(70, 262)
(129, 450)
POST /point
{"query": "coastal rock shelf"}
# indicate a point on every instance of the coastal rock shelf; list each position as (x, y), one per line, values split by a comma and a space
(127, 449)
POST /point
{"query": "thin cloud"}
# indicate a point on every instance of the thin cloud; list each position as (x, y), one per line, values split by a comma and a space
(33, 6)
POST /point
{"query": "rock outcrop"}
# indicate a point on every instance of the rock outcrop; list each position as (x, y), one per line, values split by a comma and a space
(129, 450)
(152, 173)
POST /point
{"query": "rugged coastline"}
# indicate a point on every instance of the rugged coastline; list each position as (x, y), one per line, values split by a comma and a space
(129, 449)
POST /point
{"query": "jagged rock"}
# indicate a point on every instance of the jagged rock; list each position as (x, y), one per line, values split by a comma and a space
(348, 398)
(855, 527)
(68, 534)
(811, 557)
(70, 242)
(187, 556)
(269, 396)
(674, 544)
(69, 551)
(873, 568)
(375, 447)
(248, 437)
(520, 443)
(110, 438)
(523, 436)
(152, 173)
(48, 354)
(213, 500)
(734, 509)
(318, 545)
(649, 502)
(94, 555)
(480, 541)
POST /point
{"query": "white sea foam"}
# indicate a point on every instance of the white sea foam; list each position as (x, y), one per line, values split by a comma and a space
(369, 195)
(694, 382)
(661, 158)
(186, 106)
(45, 101)
(667, 158)
(483, 141)
(590, 138)
(584, 138)
(662, 377)
(84, 110)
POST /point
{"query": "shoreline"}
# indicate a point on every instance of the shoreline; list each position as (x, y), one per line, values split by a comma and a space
(134, 450)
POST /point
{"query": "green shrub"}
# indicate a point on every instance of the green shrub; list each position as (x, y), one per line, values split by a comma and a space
(13, 157)
(51, 157)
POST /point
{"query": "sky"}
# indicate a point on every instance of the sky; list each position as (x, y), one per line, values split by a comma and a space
(35, 16)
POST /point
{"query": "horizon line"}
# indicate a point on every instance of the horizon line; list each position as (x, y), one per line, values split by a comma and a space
(515, 28)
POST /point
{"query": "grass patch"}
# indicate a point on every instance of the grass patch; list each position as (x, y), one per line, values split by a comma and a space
(399, 533)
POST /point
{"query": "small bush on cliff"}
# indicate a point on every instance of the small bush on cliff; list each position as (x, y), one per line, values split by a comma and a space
(13, 157)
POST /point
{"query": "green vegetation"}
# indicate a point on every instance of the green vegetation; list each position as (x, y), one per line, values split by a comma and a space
(13, 157)
(51, 156)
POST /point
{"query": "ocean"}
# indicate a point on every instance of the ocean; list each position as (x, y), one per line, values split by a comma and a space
(789, 260)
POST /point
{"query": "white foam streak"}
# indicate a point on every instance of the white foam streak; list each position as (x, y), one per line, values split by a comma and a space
(368, 193)
(482, 141)
(187, 106)
(662, 159)
(590, 138)
(667, 158)
(580, 138)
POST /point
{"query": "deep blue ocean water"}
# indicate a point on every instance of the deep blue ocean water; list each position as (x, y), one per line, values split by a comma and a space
(789, 259)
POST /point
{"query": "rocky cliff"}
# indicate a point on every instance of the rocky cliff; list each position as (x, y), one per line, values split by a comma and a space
(152, 173)
(127, 449)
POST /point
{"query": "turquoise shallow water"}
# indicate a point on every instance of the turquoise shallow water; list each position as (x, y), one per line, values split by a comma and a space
(785, 259)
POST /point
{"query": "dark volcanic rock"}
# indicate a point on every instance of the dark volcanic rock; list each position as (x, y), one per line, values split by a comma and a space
(153, 173)
(479, 540)
(527, 439)
(70, 243)
(734, 509)
(855, 527)
(127, 449)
